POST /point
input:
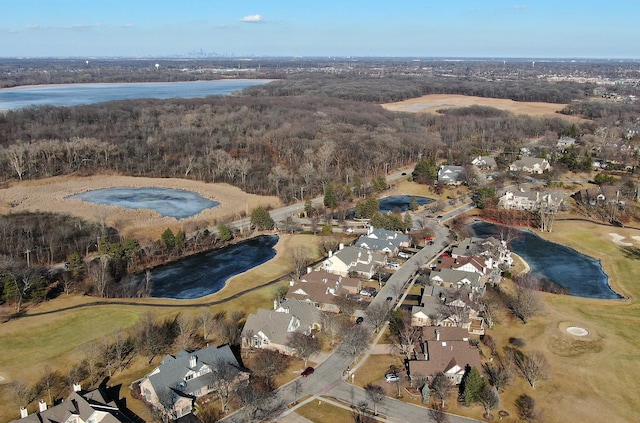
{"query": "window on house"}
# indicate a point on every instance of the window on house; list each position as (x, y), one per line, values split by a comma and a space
(188, 377)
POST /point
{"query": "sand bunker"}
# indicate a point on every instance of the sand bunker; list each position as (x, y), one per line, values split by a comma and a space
(617, 238)
(577, 331)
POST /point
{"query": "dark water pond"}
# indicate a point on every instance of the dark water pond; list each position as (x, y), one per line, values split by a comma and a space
(401, 202)
(76, 94)
(166, 201)
(206, 273)
(581, 274)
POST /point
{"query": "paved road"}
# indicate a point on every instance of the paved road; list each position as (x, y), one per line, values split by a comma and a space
(327, 380)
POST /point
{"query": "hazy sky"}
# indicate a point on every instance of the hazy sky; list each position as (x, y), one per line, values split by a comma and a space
(425, 28)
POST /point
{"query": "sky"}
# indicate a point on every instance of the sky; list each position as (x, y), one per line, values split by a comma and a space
(321, 28)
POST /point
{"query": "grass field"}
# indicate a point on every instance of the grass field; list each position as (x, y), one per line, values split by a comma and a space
(57, 339)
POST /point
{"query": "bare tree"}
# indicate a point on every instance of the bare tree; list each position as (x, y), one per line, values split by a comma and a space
(375, 393)
(99, 274)
(346, 304)
(437, 415)
(259, 401)
(403, 334)
(361, 413)
(50, 381)
(296, 389)
(441, 387)
(269, 364)
(525, 303)
(488, 397)
(356, 340)
(333, 325)
(222, 381)
(205, 319)
(300, 257)
(533, 367)
(22, 393)
(377, 314)
(304, 345)
(526, 408)
(497, 373)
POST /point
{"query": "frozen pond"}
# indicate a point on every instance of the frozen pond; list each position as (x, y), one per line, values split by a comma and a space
(583, 275)
(206, 273)
(76, 94)
(401, 202)
(168, 202)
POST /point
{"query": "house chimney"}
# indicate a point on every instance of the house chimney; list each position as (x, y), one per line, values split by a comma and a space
(330, 253)
(23, 412)
(340, 246)
(42, 406)
(77, 387)
(192, 361)
(309, 269)
(437, 335)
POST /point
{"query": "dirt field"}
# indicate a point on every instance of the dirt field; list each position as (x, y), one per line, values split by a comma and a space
(433, 102)
(50, 195)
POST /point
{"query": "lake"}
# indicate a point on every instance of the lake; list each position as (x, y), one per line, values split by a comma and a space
(166, 201)
(581, 274)
(77, 94)
(206, 273)
(401, 202)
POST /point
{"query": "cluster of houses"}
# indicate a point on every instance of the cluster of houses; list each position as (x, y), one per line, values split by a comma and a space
(455, 175)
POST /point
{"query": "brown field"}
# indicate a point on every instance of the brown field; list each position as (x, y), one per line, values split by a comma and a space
(50, 195)
(433, 102)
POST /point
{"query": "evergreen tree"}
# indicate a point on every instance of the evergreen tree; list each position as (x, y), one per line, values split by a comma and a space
(169, 239)
(408, 221)
(472, 386)
(413, 204)
(330, 199)
(224, 232)
(261, 219)
(425, 171)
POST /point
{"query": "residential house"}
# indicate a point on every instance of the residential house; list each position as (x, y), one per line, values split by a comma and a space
(441, 307)
(450, 175)
(530, 200)
(322, 288)
(179, 380)
(530, 165)
(353, 260)
(383, 241)
(459, 279)
(93, 406)
(451, 356)
(484, 162)
(477, 264)
(270, 329)
(603, 194)
(565, 142)
(486, 247)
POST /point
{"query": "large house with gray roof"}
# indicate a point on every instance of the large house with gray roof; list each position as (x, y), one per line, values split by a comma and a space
(174, 385)
(383, 241)
(80, 407)
(270, 329)
(353, 259)
(530, 165)
(451, 175)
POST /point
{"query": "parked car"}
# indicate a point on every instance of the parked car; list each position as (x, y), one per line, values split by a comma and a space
(403, 255)
(359, 320)
(389, 299)
(391, 377)
(308, 371)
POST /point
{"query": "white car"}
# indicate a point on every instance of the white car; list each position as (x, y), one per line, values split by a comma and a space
(392, 377)
(403, 255)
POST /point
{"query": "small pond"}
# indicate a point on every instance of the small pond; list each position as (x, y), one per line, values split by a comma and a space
(168, 202)
(581, 274)
(207, 273)
(401, 202)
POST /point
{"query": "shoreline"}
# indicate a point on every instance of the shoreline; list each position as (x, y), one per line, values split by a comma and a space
(21, 87)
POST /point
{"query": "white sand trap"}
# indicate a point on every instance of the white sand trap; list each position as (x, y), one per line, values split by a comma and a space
(577, 331)
(617, 238)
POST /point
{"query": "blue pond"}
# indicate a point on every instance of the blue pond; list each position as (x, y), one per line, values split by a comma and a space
(401, 202)
(76, 94)
(206, 273)
(168, 202)
(583, 275)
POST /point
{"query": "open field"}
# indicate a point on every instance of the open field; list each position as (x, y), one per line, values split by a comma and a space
(57, 339)
(50, 195)
(431, 103)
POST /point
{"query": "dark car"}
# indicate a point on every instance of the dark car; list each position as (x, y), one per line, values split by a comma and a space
(359, 320)
(389, 299)
(308, 371)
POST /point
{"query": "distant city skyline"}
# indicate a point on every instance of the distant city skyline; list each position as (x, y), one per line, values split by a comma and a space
(372, 28)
